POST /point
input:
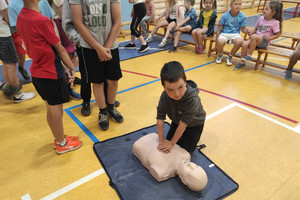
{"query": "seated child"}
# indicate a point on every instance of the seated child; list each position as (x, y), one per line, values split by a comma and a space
(229, 30)
(293, 61)
(174, 14)
(186, 25)
(205, 24)
(267, 28)
(164, 166)
(150, 7)
(180, 101)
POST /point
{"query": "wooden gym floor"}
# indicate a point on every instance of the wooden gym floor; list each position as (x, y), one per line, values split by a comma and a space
(252, 129)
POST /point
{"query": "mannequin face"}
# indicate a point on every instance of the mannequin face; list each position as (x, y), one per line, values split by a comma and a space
(193, 176)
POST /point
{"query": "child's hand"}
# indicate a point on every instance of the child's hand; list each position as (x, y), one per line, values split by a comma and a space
(70, 74)
(165, 146)
(267, 37)
(104, 54)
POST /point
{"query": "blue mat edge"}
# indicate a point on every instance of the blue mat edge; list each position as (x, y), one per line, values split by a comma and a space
(168, 124)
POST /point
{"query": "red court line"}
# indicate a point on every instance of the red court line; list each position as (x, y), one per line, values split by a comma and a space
(252, 106)
(139, 74)
(229, 98)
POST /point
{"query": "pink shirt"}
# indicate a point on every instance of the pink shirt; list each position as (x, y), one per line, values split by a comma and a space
(267, 27)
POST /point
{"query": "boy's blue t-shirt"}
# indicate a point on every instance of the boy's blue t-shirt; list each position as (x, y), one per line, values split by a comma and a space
(232, 24)
(15, 6)
(193, 17)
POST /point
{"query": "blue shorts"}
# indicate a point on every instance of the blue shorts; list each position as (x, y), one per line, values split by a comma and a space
(264, 44)
(8, 52)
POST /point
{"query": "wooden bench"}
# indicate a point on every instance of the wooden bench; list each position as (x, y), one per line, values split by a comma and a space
(275, 51)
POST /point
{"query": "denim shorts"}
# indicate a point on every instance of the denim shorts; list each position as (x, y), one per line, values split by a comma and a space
(8, 53)
(264, 44)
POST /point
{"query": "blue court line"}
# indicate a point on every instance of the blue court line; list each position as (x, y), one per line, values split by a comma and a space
(87, 131)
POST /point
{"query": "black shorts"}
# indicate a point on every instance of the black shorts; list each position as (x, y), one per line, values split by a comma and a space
(97, 71)
(8, 53)
(264, 44)
(189, 138)
(53, 91)
(169, 20)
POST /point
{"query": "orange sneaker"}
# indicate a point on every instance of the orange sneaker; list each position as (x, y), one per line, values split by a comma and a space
(71, 138)
(69, 146)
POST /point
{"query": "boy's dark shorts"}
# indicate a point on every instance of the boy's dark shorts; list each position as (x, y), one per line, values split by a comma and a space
(97, 71)
(8, 53)
(169, 20)
(189, 138)
(54, 91)
(264, 44)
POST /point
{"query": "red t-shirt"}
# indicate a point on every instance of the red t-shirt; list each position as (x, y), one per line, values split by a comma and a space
(39, 37)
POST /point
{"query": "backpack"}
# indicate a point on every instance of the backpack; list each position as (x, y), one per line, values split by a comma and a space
(67, 23)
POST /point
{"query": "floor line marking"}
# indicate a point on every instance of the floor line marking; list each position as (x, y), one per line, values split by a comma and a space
(297, 129)
(220, 111)
(74, 185)
(26, 197)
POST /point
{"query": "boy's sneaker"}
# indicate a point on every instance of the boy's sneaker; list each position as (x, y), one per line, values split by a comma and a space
(229, 60)
(103, 121)
(69, 146)
(9, 91)
(22, 96)
(239, 66)
(149, 38)
(85, 109)
(115, 115)
(70, 138)
(143, 48)
(24, 73)
(173, 49)
(117, 103)
(247, 57)
(288, 74)
(219, 58)
(74, 95)
(163, 43)
(130, 46)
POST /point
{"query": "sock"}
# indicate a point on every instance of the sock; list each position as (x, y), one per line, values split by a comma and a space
(110, 106)
(63, 143)
(150, 36)
(229, 55)
(103, 111)
(174, 47)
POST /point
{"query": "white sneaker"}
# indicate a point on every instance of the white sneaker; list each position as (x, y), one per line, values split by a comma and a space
(162, 43)
(22, 96)
(149, 38)
(219, 58)
(229, 60)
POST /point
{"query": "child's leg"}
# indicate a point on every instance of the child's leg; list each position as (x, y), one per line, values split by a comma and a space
(170, 26)
(245, 46)
(293, 61)
(195, 37)
(10, 74)
(139, 13)
(200, 34)
(112, 88)
(54, 119)
(237, 43)
(220, 45)
(181, 30)
(98, 89)
(254, 41)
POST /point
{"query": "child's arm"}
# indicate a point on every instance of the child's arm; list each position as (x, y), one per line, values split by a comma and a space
(116, 24)
(160, 129)
(244, 29)
(272, 37)
(130, 1)
(167, 145)
(104, 54)
(152, 8)
(64, 56)
(5, 15)
(182, 23)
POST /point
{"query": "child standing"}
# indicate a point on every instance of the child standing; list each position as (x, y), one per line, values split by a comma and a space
(99, 56)
(186, 25)
(45, 49)
(180, 101)
(267, 28)
(229, 30)
(150, 7)
(205, 24)
(174, 13)
(139, 12)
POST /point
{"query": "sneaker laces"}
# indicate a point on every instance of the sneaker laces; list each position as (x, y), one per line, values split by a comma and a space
(116, 112)
(102, 117)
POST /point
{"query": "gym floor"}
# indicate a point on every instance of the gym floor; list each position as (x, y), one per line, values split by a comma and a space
(252, 128)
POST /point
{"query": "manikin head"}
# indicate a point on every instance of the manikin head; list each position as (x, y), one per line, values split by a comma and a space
(193, 176)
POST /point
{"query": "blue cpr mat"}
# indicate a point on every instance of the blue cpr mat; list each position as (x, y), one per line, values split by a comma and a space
(133, 182)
